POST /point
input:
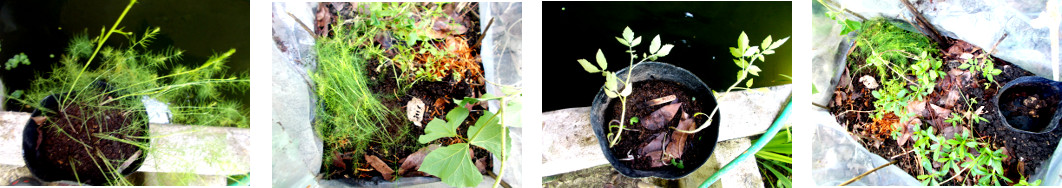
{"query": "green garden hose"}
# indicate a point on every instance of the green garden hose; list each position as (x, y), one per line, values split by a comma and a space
(779, 122)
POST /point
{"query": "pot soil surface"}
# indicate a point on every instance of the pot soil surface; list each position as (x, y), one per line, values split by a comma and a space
(78, 124)
(853, 106)
(437, 96)
(651, 143)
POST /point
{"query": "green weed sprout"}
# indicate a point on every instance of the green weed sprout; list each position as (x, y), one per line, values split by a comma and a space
(744, 57)
(613, 84)
(982, 64)
(452, 163)
(132, 73)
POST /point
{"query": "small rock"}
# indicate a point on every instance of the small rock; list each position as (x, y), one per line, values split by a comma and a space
(869, 82)
(415, 111)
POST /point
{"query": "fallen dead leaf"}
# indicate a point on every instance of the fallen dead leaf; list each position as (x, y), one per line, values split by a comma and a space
(656, 144)
(661, 117)
(380, 166)
(415, 111)
(39, 119)
(677, 145)
(412, 162)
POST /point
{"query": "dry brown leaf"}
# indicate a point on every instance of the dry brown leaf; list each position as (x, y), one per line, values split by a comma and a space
(661, 117)
(380, 166)
(677, 145)
(412, 162)
(39, 119)
(656, 144)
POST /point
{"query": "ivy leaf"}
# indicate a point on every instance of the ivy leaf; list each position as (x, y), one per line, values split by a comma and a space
(636, 42)
(487, 133)
(665, 50)
(588, 67)
(453, 165)
(601, 60)
(654, 46)
(438, 128)
(628, 34)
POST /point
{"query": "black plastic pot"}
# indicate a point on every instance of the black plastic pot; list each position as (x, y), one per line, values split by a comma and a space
(1036, 84)
(666, 72)
(47, 171)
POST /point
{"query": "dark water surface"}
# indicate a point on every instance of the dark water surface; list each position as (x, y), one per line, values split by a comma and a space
(702, 33)
(201, 28)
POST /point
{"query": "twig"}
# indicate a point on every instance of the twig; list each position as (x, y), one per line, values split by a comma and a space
(953, 177)
(902, 154)
(304, 27)
(926, 27)
(860, 111)
(867, 173)
(484, 33)
(993, 50)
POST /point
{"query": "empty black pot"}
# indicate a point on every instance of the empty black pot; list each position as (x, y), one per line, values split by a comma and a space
(666, 72)
(1029, 84)
(48, 171)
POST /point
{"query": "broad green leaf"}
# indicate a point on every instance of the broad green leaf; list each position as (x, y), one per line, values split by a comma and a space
(436, 129)
(636, 42)
(512, 113)
(754, 70)
(776, 44)
(453, 165)
(654, 46)
(628, 34)
(456, 117)
(588, 67)
(487, 133)
(601, 60)
(766, 43)
(622, 41)
(664, 50)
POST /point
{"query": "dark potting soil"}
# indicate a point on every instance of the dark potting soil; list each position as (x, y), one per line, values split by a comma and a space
(63, 152)
(853, 105)
(639, 136)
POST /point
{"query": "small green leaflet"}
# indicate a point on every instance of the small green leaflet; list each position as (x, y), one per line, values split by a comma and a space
(588, 67)
(601, 60)
(453, 165)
